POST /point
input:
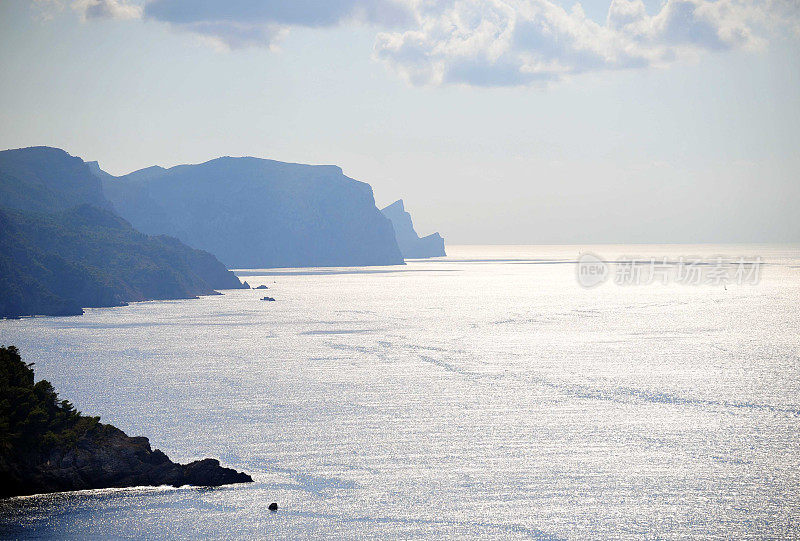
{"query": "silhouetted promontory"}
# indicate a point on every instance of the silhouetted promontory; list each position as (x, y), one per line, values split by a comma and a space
(46, 445)
(411, 245)
(256, 213)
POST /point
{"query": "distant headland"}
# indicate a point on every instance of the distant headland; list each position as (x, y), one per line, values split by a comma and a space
(73, 236)
(411, 245)
(255, 213)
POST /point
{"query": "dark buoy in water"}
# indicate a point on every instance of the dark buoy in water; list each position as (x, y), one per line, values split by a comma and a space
(273, 506)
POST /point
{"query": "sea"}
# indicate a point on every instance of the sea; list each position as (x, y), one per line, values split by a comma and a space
(499, 392)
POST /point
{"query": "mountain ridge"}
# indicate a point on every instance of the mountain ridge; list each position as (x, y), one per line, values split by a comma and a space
(260, 213)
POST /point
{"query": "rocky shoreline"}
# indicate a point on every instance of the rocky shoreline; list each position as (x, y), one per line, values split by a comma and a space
(47, 446)
(108, 458)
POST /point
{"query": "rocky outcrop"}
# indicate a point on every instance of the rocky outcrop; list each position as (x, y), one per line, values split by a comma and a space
(255, 213)
(208, 472)
(411, 245)
(48, 446)
(105, 457)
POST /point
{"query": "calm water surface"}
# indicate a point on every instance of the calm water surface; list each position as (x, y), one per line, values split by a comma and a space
(484, 394)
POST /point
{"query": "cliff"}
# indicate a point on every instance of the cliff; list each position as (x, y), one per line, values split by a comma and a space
(62, 248)
(410, 243)
(48, 446)
(255, 213)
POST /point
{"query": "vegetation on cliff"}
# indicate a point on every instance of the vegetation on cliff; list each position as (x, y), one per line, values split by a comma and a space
(32, 417)
(46, 445)
(62, 247)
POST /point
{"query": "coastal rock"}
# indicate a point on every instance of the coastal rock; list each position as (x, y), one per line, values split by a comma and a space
(411, 245)
(208, 472)
(262, 286)
(106, 457)
(268, 299)
(47, 446)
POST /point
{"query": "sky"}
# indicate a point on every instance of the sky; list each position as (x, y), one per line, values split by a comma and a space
(496, 121)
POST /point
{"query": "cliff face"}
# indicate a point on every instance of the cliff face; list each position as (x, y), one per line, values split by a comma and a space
(62, 248)
(411, 245)
(254, 213)
(47, 446)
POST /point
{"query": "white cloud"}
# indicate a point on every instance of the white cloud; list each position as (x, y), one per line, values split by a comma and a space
(226, 35)
(242, 23)
(227, 24)
(517, 42)
(483, 42)
(107, 9)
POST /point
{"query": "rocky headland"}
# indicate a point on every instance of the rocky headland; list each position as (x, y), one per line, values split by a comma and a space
(46, 445)
(411, 244)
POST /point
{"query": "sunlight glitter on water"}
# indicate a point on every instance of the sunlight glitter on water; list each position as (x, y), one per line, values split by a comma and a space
(483, 394)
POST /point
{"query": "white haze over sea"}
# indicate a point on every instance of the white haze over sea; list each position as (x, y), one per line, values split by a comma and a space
(483, 394)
